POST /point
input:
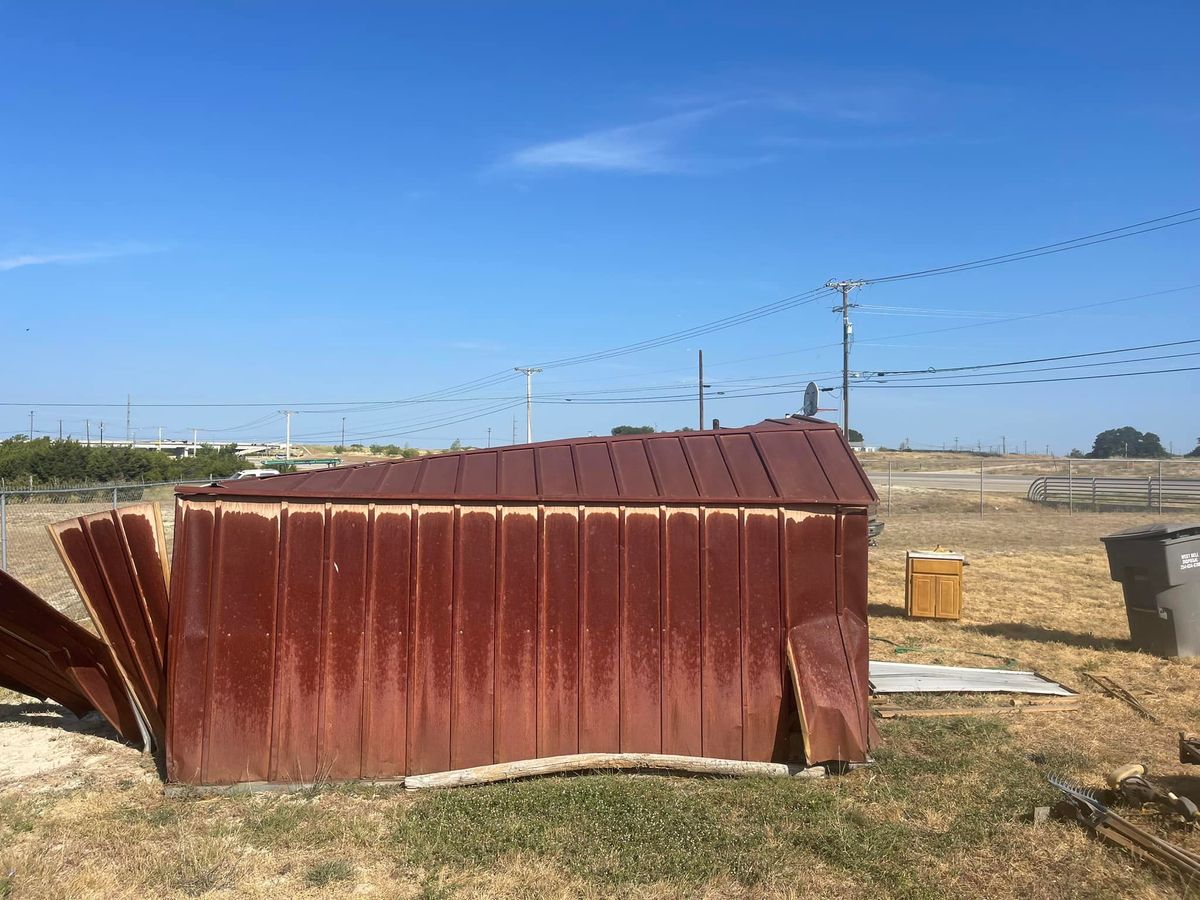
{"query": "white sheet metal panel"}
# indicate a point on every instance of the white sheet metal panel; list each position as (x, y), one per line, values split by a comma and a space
(910, 678)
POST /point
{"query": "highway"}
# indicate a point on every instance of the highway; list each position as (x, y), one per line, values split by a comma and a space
(954, 481)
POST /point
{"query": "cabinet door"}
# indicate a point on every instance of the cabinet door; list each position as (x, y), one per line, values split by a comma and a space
(924, 594)
(949, 597)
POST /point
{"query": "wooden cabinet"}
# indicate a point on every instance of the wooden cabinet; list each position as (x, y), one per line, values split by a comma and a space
(933, 584)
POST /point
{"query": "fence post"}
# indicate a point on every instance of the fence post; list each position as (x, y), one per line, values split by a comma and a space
(981, 487)
(1160, 487)
(889, 500)
(1149, 493)
(1070, 486)
(4, 531)
(114, 498)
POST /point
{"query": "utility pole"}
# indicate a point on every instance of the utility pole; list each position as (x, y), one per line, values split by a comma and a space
(529, 373)
(1003, 445)
(31, 424)
(700, 386)
(160, 438)
(195, 440)
(514, 437)
(343, 432)
(287, 440)
(129, 418)
(101, 434)
(847, 333)
(60, 429)
(489, 442)
(956, 445)
(87, 424)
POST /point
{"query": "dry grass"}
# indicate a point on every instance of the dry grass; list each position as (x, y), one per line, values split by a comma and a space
(943, 814)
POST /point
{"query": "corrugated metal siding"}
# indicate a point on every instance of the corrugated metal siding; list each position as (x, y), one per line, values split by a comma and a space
(348, 640)
(776, 461)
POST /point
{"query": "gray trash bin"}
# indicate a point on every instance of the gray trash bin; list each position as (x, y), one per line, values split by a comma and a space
(1159, 569)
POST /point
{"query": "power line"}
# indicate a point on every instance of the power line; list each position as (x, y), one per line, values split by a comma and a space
(741, 318)
(1034, 380)
(1023, 362)
(1087, 240)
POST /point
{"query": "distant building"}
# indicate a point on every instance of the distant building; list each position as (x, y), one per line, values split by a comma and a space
(860, 447)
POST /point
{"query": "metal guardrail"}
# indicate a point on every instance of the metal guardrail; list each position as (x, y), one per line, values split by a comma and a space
(1147, 493)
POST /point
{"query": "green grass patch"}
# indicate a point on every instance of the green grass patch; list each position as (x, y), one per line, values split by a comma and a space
(328, 872)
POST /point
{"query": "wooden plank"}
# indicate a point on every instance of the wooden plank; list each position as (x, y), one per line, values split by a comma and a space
(583, 762)
(474, 637)
(641, 642)
(1056, 704)
(600, 633)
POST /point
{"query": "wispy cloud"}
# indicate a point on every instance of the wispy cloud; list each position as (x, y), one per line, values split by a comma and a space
(698, 137)
(20, 261)
(641, 147)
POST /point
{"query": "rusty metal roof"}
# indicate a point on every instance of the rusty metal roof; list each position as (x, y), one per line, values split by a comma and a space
(775, 461)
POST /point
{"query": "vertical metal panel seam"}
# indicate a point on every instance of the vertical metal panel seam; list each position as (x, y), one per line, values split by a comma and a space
(281, 582)
(326, 559)
(766, 466)
(497, 633)
(368, 621)
(702, 537)
(622, 564)
(580, 606)
(662, 632)
(737, 485)
(539, 583)
(413, 566)
(575, 473)
(173, 613)
(214, 574)
(616, 472)
(691, 465)
(456, 582)
(118, 616)
(143, 603)
(743, 619)
(653, 468)
(820, 465)
(422, 466)
(537, 471)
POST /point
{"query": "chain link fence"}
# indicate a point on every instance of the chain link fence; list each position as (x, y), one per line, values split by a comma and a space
(964, 484)
(26, 550)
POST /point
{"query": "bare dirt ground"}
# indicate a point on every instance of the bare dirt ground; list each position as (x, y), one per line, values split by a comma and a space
(945, 813)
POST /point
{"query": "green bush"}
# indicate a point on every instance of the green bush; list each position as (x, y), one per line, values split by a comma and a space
(51, 462)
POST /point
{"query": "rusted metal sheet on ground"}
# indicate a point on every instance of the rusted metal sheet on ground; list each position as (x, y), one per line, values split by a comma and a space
(315, 634)
(117, 560)
(45, 654)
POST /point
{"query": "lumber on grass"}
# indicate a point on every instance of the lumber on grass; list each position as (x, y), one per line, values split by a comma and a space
(1057, 704)
(582, 762)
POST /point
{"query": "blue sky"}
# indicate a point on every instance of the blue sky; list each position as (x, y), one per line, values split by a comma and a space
(303, 203)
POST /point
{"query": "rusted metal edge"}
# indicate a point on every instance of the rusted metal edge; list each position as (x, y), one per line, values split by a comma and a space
(85, 676)
(112, 614)
(830, 720)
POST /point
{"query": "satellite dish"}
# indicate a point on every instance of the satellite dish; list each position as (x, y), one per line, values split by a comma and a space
(810, 399)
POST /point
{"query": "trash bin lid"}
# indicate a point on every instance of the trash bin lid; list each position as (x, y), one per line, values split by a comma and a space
(1158, 531)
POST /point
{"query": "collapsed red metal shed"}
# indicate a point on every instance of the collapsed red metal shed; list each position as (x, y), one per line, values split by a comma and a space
(617, 594)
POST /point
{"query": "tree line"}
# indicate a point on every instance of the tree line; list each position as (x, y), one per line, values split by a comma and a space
(51, 462)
